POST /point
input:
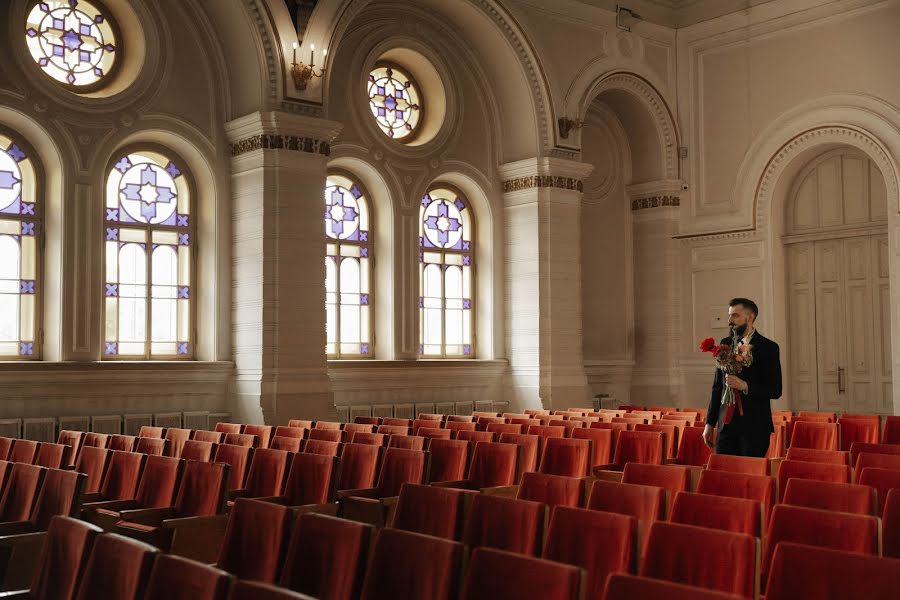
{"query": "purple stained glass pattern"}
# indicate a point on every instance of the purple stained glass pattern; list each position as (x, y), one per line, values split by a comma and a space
(341, 214)
(26, 287)
(26, 348)
(148, 193)
(27, 228)
(112, 290)
(11, 178)
(442, 224)
(112, 348)
(364, 349)
(72, 43)
(183, 348)
(394, 101)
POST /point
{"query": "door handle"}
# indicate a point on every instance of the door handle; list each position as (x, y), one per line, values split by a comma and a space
(841, 380)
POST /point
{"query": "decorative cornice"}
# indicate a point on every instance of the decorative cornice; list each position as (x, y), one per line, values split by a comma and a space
(542, 181)
(655, 202)
(274, 141)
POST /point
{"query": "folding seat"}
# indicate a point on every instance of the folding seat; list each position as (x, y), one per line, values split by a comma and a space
(505, 524)
(322, 447)
(679, 415)
(120, 481)
(59, 495)
(228, 427)
(359, 466)
(326, 557)
(291, 432)
(152, 446)
(23, 451)
(651, 414)
(747, 465)
(891, 434)
(816, 435)
(151, 432)
(890, 524)
(412, 566)
(407, 442)
(393, 430)
(177, 437)
(396, 422)
(460, 418)
(671, 478)
(823, 417)
(351, 428)
(96, 440)
(525, 422)
(374, 439)
(497, 575)
(122, 443)
(238, 458)
(669, 431)
(572, 538)
(825, 495)
(737, 515)
(301, 423)
(646, 447)
(177, 578)
(430, 510)
(476, 436)
(239, 439)
(263, 432)
(312, 480)
(833, 457)
(430, 417)
(5, 467)
(686, 554)
(288, 444)
(552, 490)
(72, 439)
(567, 457)
(693, 451)
(420, 423)
(535, 411)
(547, 431)
(821, 528)
(195, 450)
(449, 459)
(738, 485)
(529, 449)
(456, 426)
(612, 426)
(631, 587)
(255, 540)
(810, 470)
(483, 422)
(215, 437)
(328, 435)
(118, 569)
(858, 448)
(254, 590)
(630, 421)
(602, 444)
(882, 480)
(266, 476)
(493, 465)
(568, 426)
(398, 466)
(501, 428)
(326, 425)
(644, 502)
(367, 420)
(433, 433)
(93, 464)
(777, 441)
(877, 460)
(858, 429)
(52, 456)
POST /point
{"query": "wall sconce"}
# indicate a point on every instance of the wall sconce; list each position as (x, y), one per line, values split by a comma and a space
(301, 73)
(566, 125)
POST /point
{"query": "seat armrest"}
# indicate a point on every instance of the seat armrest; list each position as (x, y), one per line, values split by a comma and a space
(364, 510)
(462, 484)
(148, 516)
(16, 528)
(111, 505)
(17, 595)
(239, 493)
(21, 553)
(507, 491)
(92, 497)
(608, 474)
(330, 509)
(360, 493)
(282, 500)
(197, 538)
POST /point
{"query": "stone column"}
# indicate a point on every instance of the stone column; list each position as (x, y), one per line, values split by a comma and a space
(542, 215)
(278, 163)
(657, 305)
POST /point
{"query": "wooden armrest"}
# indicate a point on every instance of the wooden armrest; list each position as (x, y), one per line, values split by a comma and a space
(323, 509)
(18, 595)
(608, 474)
(360, 493)
(235, 494)
(16, 528)
(112, 505)
(197, 538)
(148, 516)
(507, 491)
(21, 553)
(364, 510)
(282, 500)
(92, 497)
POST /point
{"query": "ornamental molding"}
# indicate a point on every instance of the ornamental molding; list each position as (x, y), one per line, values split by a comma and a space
(542, 181)
(655, 202)
(274, 141)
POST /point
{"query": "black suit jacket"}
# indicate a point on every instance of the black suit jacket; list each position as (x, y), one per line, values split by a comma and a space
(763, 379)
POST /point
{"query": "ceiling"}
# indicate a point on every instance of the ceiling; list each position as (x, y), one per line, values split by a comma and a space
(677, 13)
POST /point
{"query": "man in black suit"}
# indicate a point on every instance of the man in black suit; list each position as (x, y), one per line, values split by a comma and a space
(758, 384)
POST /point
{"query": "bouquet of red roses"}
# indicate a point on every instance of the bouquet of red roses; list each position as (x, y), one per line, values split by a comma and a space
(731, 359)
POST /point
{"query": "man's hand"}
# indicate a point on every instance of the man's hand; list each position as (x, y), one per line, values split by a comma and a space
(736, 383)
(708, 431)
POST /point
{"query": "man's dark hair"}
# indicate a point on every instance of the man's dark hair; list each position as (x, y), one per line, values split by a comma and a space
(746, 303)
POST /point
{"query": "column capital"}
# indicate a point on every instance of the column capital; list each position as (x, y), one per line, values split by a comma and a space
(544, 172)
(280, 130)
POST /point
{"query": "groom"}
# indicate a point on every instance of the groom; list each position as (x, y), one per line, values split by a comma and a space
(758, 384)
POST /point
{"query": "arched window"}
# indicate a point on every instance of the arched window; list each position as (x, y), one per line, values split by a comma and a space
(446, 291)
(394, 100)
(149, 244)
(348, 264)
(20, 230)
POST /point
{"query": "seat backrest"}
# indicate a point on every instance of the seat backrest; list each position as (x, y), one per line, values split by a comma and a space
(290, 432)
(420, 566)
(877, 460)
(202, 489)
(529, 449)
(359, 466)
(803, 571)
(52, 456)
(747, 465)
(673, 479)
(572, 538)
(393, 429)
(858, 448)
(449, 459)
(859, 429)
(59, 496)
(693, 451)
(301, 423)
(822, 528)
(494, 464)
(460, 425)
(118, 569)
(178, 578)
(177, 437)
(263, 432)
(501, 428)
(882, 480)
(812, 415)
(352, 428)
(326, 557)
(568, 457)
(255, 540)
(834, 457)
(288, 444)
(150, 432)
(72, 439)
(228, 427)
(815, 435)
(434, 433)
(497, 575)
(684, 553)
(240, 439)
(159, 482)
(197, 450)
(644, 502)
(152, 446)
(311, 480)
(890, 524)
(254, 590)
(647, 447)
(602, 444)
(430, 510)
(552, 490)
(810, 470)
(420, 423)
(547, 431)
(367, 420)
(322, 447)
(826, 495)
(23, 451)
(122, 443)
(122, 475)
(96, 440)
(407, 442)
(476, 436)
(215, 437)
(400, 466)
(670, 432)
(326, 425)
(63, 557)
(631, 587)
(5, 468)
(238, 457)
(737, 515)
(268, 470)
(504, 523)
(375, 439)
(891, 434)
(738, 485)
(93, 463)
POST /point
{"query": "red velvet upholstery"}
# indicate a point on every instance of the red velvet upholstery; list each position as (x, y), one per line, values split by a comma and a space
(5, 446)
(880, 479)
(430, 510)
(290, 432)
(737, 515)
(263, 432)
(52, 456)
(92, 462)
(747, 465)
(824, 495)
(504, 523)
(72, 439)
(267, 473)
(483, 422)
(833, 457)
(177, 437)
(567, 425)
(567, 457)
(670, 431)
(412, 566)
(159, 482)
(461, 418)
(326, 425)
(810, 470)
(434, 433)
(196, 450)
(812, 415)
(393, 429)
(501, 428)
(326, 557)
(644, 502)
(476, 436)
(693, 451)
(602, 444)
(630, 421)
(151, 446)
(420, 423)
(301, 423)
(890, 524)
(238, 457)
(547, 431)
(631, 587)
(494, 464)
(871, 459)
(23, 451)
(5, 468)
(150, 432)
(552, 490)
(96, 440)
(407, 442)
(496, 575)
(708, 558)
(59, 496)
(215, 437)
(118, 569)
(352, 428)
(673, 479)
(122, 443)
(777, 441)
(122, 476)
(459, 426)
(821, 528)
(253, 590)
(573, 538)
(374, 439)
(738, 485)
(63, 558)
(529, 449)
(228, 427)
(255, 540)
(819, 436)
(612, 426)
(177, 578)
(202, 489)
(858, 448)
(359, 466)
(322, 447)
(400, 466)
(449, 459)
(891, 434)
(803, 571)
(241, 439)
(311, 480)
(857, 429)
(328, 435)
(367, 420)
(646, 447)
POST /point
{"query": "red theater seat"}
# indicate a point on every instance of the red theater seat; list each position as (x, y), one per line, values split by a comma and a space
(311, 480)
(300, 423)
(238, 458)
(177, 578)
(832, 457)
(890, 524)
(476, 436)
(737, 485)
(215, 437)
(195, 450)
(290, 432)
(122, 443)
(739, 464)
(288, 444)
(809, 470)
(670, 431)
(93, 463)
(430, 510)
(552, 490)
(240, 439)
(815, 435)
(693, 451)
(94, 440)
(122, 476)
(631, 587)
(882, 480)
(856, 429)
(177, 437)
(673, 479)
(359, 466)
(646, 447)
(645, 503)
(72, 439)
(373, 439)
(23, 451)
(52, 456)
(156, 489)
(603, 443)
(824, 495)
(505, 524)
(858, 448)
(407, 442)
(118, 569)
(151, 446)
(737, 515)
(412, 566)
(268, 470)
(567, 457)
(547, 431)
(255, 540)
(150, 432)
(497, 575)
(322, 447)
(891, 434)
(459, 426)
(328, 435)
(529, 449)
(449, 459)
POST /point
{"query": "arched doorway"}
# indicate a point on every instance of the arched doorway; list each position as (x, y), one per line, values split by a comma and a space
(837, 275)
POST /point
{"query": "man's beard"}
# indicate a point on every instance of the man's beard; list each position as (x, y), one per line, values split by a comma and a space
(739, 330)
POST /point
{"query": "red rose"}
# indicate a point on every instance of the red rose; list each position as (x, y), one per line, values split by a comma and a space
(708, 345)
(722, 349)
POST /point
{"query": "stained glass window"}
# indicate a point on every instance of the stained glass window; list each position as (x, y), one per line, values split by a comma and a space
(348, 263)
(20, 228)
(148, 244)
(71, 40)
(394, 100)
(446, 258)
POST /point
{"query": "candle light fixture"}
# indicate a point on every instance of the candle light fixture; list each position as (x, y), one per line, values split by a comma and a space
(301, 73)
